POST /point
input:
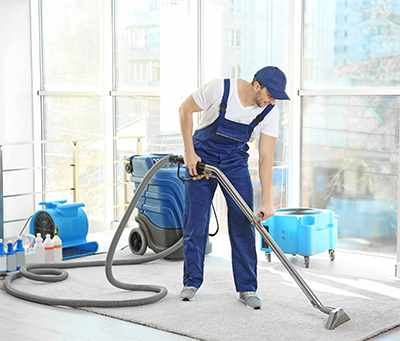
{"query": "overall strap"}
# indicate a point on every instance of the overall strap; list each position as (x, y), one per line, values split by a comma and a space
(224, 101)
(261, 116)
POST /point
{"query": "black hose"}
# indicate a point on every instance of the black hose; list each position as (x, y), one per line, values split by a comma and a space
(51, 272)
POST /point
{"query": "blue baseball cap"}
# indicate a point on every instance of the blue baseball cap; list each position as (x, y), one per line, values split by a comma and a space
(274, 80)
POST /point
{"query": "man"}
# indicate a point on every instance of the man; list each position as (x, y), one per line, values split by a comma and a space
(235, 112)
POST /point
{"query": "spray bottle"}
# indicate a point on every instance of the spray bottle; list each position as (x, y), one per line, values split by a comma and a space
(39, 249)
(20, 253)
(3, 257)
(11, 258)
(30, 253)
(48, 249)
(57, 246)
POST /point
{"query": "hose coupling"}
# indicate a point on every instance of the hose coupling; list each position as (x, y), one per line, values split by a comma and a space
(202, 176)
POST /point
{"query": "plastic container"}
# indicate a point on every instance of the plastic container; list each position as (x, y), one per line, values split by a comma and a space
(48, 249)
(20, 253)
(57, 247)
(11, 258)
(39, 249)
(30, 256)
(30, 253)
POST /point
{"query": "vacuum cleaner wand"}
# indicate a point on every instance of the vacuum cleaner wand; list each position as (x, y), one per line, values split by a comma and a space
(336, 316)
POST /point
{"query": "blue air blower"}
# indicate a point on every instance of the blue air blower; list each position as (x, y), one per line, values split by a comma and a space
(72, 224)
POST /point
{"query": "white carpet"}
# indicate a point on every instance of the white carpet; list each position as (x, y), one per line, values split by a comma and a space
(217, 314)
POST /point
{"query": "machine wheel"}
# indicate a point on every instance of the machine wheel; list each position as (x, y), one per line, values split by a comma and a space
(306, 261)
(137, 241)
(268, 255)
(332, 254)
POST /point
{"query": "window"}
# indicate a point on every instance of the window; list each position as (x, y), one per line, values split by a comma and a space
(350, 140)
(218, 61)
(350, 163)
(71, 53)
(77, 79)
(155, 72)
(370, 43)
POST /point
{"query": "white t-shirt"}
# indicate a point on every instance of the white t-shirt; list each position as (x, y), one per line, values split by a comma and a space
(209, 99)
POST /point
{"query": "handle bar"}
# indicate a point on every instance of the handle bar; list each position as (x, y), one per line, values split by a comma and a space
(180, 160)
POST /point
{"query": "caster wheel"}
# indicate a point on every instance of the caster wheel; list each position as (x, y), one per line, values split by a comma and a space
(332, 255)
(268, 255)
(307, 262)
(137, 241)
(128, 168)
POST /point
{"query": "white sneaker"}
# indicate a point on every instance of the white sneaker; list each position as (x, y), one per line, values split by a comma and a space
(251, 299)
(188, 293)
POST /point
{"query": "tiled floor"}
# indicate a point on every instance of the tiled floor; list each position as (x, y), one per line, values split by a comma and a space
(22, 320)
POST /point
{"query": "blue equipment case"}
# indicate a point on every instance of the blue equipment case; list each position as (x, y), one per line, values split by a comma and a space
(160, 206)
(303, 231)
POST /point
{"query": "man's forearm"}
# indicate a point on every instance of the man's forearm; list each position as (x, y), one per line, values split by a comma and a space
(186, 124)
(266, 163)
(266, 175)
(186, 111)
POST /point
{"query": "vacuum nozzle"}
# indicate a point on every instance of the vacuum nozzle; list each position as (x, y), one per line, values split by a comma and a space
(336, 318)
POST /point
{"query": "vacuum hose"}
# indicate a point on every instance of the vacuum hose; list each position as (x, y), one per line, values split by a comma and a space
(47, 272)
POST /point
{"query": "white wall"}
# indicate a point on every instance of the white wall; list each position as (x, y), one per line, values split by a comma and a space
(16, 119)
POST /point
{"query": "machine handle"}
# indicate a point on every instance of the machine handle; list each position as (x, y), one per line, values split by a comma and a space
(259, 216)
(179, 159)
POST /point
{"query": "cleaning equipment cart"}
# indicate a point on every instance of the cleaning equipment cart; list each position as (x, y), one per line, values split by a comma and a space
(302, 231)
(160, 206)
(336, 316)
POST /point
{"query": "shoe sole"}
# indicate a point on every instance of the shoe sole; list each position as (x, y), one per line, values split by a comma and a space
(186, 299)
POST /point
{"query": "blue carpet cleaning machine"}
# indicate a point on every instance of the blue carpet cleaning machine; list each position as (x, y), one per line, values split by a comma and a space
(48, 272)
(160, 206)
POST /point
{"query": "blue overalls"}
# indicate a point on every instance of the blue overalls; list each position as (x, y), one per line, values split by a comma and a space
(222, 144)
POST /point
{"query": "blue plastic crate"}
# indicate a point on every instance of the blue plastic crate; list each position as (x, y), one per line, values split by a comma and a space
(302, 231)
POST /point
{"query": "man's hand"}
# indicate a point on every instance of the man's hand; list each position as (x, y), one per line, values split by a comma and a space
(191, 160)
(267, 211)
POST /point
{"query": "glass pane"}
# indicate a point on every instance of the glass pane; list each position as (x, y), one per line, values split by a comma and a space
(155, 56)
(71, 34)
(351, 43)
(68, 118)
(154, 46)
(234, 46)
(75, 119)
(350, 165)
